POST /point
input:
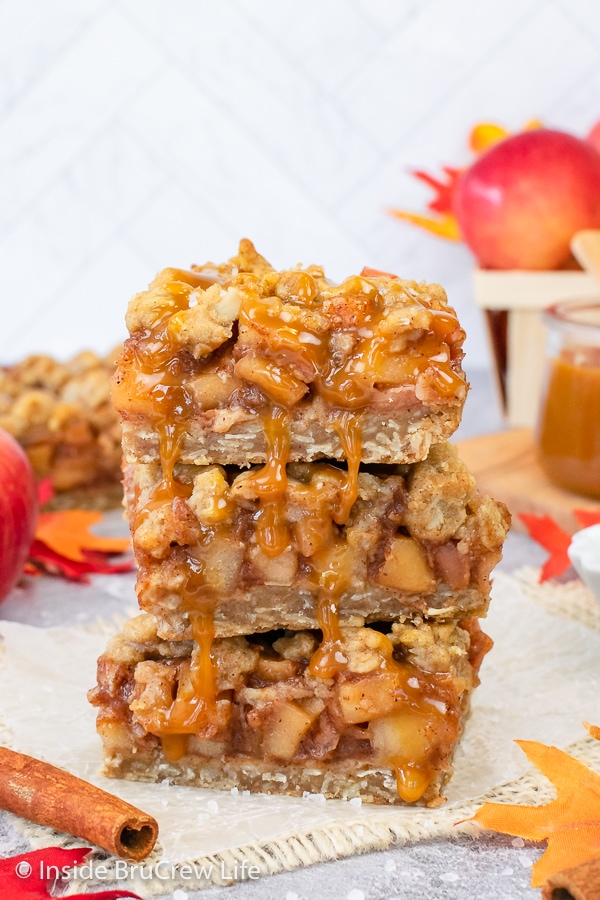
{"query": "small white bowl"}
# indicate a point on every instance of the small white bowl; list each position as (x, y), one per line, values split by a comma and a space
(584, 553)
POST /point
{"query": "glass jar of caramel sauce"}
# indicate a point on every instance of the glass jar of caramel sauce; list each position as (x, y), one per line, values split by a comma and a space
(568, 430)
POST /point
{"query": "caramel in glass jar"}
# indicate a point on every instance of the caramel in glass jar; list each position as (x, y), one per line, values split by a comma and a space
(568, 432)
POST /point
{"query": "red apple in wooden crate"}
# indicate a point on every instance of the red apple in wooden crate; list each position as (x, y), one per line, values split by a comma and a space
(18, 511)
(519, 205)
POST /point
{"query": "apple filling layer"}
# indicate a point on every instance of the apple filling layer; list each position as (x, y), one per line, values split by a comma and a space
(254, 712)
(301, 550)
(369, 368)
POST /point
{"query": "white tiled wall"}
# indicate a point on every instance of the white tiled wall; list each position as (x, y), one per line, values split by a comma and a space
(140, 133)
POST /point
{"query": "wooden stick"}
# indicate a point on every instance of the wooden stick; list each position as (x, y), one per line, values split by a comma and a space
(586, 250)
(579, 883)
(50, 796)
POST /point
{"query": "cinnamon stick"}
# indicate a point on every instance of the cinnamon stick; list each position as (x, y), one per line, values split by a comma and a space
(579, 883)
(50, 796)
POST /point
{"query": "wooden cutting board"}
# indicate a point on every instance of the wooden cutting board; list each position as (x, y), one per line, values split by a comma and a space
(506, 467)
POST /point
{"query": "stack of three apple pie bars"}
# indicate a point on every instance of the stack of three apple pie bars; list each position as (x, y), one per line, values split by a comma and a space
(313, 557)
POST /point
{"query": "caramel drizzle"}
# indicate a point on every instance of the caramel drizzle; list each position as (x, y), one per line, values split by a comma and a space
(159, 376)
(332, 573)
(349, 429)
(332, 566)
(431, 697)
(194, 707)
(351, 384)
(346, 390)
(412, 779)
(270, 483)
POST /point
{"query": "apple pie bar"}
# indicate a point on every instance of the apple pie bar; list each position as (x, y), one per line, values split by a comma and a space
(256, 712)
(225, 362)
(63, 417)
(418, 539)
(313, 556)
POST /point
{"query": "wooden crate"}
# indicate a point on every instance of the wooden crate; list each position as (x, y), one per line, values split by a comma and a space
(513, 301)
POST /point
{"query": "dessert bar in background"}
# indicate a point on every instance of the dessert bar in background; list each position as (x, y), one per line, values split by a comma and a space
(312, 556)
(63, 417)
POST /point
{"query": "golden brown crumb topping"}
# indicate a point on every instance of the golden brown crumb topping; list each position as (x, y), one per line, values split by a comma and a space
(244, 334)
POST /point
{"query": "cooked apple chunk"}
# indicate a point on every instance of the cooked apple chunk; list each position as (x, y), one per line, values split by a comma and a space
(286, 726)
(279, 385)
(368, 697)
(405, 567)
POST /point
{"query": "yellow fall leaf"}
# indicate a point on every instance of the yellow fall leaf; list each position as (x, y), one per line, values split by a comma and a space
(485, 134)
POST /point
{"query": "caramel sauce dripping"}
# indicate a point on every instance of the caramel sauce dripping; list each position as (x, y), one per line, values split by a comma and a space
(159, 376)
(412, 779)
(348, 427)
(160, 380)
(195, 705)
(347, 389)
(351, 383)
(432, 699)
(174, 746)
(332, 576)
(307, 349)
(270, 483)
(330, 565)
(413, 772)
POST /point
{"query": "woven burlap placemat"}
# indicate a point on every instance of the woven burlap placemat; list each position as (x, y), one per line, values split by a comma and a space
(539, 683)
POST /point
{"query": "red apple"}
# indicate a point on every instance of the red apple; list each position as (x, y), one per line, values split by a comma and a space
(594, 137)
(18, 511)
(519, 205)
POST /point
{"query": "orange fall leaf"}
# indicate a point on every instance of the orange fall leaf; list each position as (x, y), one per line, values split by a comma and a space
(444, 226)
(68, 533)
(570, 823)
